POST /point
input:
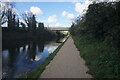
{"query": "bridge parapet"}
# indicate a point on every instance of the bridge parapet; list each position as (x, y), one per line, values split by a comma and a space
(58, 28)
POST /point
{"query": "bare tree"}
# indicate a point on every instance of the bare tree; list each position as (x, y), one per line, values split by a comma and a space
(30, 20)
(6, 8)
(3, 12)
(27, 18)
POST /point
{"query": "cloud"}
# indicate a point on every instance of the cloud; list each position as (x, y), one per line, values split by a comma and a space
(87, 2)
(43, 21)
(50, 49)
(51, 22)
(82, 7)
(68, 15)
(57, 25)
(36, 10)
(71, 16)
(64, 13)
(52, 19)
(22, 22)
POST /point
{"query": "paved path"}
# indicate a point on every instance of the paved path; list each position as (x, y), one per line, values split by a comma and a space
(66, 64)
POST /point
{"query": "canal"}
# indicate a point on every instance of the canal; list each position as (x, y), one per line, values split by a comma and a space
(18, 60)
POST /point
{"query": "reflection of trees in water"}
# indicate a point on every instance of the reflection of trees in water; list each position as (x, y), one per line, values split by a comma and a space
(13, 54)
(9, 67)
(32, 48)
(41, 46)
(23, 48)
(18, 49)
(25, 52)
(31, 51)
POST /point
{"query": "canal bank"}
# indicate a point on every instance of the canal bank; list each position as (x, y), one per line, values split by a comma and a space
(37, 72)
(67, 63)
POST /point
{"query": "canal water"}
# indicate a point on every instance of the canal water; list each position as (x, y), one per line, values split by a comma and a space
(18, 60)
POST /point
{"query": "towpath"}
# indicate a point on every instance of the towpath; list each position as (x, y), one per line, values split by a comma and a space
(67, 63)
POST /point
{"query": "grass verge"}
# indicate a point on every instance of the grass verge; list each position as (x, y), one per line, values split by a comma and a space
(37, 72)
(100, 57)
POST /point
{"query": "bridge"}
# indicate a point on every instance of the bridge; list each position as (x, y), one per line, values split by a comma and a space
(58, 28)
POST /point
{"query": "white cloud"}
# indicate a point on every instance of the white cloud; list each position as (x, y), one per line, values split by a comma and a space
(64, 13)
(71, 16)
(52, 19)
(88, 2)
(22, 22)
(36, 10)
(43, 21)
(28, 12)
(4, 25)
(15, 11)
(50, 49)
(68, 15)
(82, 7)
(57, 25)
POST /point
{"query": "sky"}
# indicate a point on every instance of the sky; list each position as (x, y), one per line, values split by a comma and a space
(53, 14)
(50, 13)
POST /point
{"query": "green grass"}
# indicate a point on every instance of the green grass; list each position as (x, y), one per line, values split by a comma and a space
(37, 72)
(100, 57)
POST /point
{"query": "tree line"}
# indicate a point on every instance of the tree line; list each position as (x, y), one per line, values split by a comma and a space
(101, 21)
(9, 15)
(29, 28)
(100, 24)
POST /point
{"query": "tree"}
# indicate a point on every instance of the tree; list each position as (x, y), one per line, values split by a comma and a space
(118, 10)
(6, 9)
(23, 25)
(33, 22)
(3, 12)
(99, 19)
(72, 29)
(41, 25)
(11, 19)
(30, 20)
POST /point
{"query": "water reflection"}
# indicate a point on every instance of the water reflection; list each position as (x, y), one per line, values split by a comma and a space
(19, 59)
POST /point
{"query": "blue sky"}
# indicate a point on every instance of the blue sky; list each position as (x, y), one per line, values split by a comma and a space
(53, 14)
(49, 9)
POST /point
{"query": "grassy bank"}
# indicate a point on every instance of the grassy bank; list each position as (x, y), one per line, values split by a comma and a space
(100, 57)
(37, 72)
